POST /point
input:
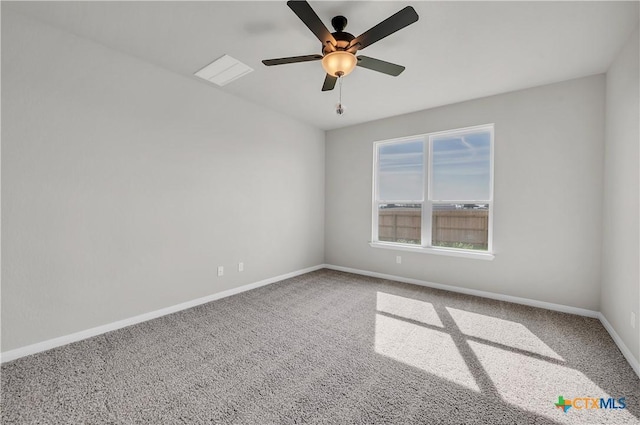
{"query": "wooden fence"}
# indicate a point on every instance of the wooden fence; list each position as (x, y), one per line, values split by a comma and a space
(459, 228)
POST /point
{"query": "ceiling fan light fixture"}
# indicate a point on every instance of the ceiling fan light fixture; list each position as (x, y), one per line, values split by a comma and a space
(339, 48)
(339, 63)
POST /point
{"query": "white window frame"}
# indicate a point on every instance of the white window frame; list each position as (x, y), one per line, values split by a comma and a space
(427, 203)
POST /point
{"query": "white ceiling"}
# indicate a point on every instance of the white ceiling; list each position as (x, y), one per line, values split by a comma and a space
(456, 51)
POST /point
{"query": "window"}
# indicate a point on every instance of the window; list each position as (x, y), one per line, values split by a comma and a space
(434, 192)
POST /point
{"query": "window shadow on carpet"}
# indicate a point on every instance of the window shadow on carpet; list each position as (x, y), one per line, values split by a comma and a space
(444, 334)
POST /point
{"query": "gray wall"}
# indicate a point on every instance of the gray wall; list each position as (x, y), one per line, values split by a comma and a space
(621, 254)
(124, 186)
(548, 194)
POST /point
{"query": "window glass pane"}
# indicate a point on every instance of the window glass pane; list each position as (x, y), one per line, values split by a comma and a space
(463, 226)
(400, 223)
(461, 167)
(400, 171)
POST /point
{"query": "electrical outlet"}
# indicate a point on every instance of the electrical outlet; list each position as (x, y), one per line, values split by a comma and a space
(633, 320)
(220, 270)
(398, 259)
(240, 267)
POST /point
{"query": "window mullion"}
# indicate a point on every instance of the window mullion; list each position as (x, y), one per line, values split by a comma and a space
(426, 205)
(375, 203)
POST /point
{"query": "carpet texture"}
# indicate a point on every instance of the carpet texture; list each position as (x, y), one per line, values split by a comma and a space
(333, 348)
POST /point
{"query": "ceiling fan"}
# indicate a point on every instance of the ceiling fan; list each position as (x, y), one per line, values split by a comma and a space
(339, 48)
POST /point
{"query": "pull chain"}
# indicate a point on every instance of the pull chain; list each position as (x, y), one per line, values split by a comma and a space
(340, 108)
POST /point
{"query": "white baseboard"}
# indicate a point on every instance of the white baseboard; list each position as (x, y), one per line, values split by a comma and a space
(621, 345)
(484, 294)
(88, 333)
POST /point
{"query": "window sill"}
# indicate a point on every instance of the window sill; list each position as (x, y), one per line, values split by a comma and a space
(437, 251)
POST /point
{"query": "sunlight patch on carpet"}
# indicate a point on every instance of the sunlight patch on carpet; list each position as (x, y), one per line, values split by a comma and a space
(408, 308)
(430, 350)
(535, 385)
(505, 332)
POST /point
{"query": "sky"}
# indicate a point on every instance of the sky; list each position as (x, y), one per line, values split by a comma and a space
(460, 168)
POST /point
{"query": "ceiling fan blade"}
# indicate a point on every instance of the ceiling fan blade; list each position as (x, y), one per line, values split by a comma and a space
(403, 18)
(380, 65)
(311, 20)
(293, 59)
(329, 82)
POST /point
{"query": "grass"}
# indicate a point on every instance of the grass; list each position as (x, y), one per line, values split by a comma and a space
(462, 245)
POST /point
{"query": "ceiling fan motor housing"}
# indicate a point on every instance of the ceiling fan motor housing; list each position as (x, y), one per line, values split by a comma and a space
(343, 39)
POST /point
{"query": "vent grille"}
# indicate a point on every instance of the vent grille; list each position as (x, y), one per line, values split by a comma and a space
(223, 70)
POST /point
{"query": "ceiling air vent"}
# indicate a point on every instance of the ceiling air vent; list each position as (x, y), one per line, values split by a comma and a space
(223, 70)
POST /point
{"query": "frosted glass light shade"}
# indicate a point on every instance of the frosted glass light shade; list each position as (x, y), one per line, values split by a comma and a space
(339, 62)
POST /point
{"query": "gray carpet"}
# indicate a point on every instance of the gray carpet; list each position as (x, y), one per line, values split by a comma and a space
(333, 348)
